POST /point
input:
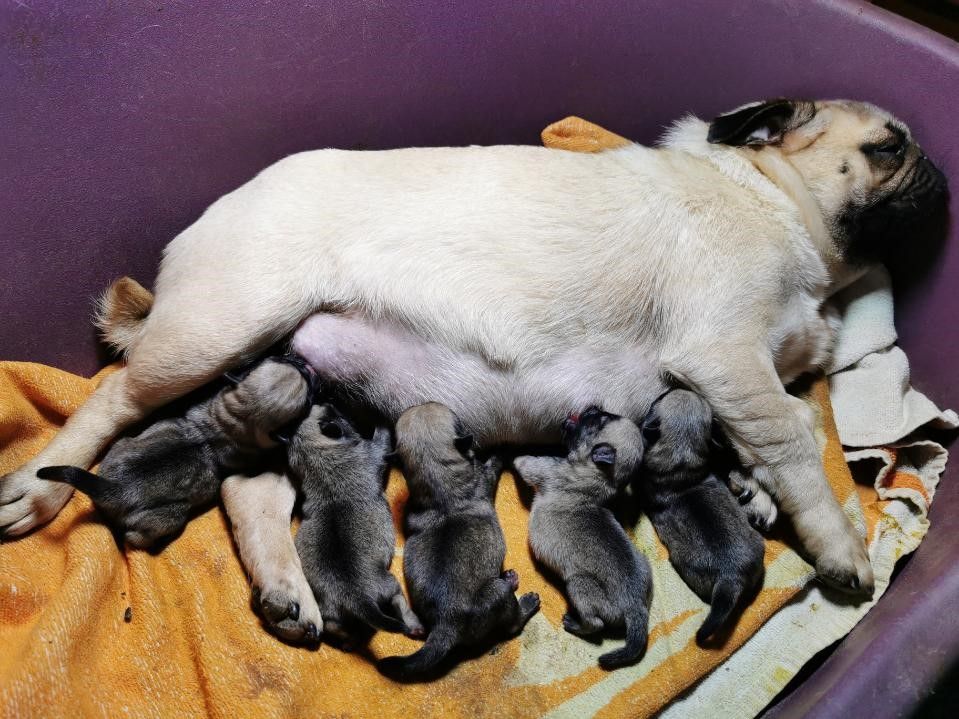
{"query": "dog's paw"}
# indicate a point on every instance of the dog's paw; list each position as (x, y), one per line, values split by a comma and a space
(512, 578)
(26, 501)
(844, 565)
(760, 508)
(289, 613)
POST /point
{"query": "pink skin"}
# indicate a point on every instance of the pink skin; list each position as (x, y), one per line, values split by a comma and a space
(393, 369)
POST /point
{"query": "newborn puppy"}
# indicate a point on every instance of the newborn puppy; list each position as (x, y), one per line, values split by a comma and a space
(346, 540)
(453, 558)
(573, 532)
(710, 542)
(148, 484)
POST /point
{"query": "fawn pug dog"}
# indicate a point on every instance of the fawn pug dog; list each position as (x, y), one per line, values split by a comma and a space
(572, 530)
(346, 540)
(710, 541)
(454, 552)
(537, 280)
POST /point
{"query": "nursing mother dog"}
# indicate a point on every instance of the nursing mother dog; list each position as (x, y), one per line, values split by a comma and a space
(529, 282)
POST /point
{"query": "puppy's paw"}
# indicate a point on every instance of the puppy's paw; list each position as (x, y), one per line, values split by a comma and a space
(529, 603)
(582, 628)
(26, 501)
(760, 508)
(512, 578)
(289, 613)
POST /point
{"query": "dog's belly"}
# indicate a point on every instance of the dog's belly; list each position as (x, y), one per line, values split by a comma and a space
(391, 368)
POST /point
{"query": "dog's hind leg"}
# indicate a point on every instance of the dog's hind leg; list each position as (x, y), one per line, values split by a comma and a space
(180, 348)
(584, 594)
(259, 509)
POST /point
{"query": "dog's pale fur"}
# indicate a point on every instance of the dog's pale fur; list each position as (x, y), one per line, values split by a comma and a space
(687, 258)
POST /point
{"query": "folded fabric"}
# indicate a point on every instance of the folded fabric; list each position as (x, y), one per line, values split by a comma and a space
(88, 629)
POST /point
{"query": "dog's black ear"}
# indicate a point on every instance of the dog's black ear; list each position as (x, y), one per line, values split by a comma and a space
(463, 444)
(603, 454)
(651, 432)
(331, 430)
(763, 123)
(716, 435)
(87, 482)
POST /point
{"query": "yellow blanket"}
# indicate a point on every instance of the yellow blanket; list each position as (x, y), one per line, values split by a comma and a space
(87, 629)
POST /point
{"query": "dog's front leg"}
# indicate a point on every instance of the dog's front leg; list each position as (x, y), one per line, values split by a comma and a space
(259, 509)
(741, 385)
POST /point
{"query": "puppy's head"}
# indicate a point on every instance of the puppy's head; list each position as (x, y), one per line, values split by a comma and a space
(147, 485)
(273, 396)
(327, 435)
(678, 433)
(431, 432)
(870, 179)
(607, 441)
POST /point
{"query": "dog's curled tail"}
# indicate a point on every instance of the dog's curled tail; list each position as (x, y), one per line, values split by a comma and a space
(637, 635)
(419, 664)
(121, 311)
(725, 597)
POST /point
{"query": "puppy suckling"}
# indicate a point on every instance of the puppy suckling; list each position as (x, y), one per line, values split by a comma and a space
(346, 540)
(453, 558)
(710, 542)
(573, 532)
(148, 484)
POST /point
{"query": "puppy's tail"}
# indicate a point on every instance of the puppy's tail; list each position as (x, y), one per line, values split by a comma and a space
(121, 311)
(87, 482)
(637, 625)
(419, 664)
(371, 613)
(725, 597)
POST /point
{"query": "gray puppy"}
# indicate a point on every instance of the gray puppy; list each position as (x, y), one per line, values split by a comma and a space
(453, 558)
(346, 541)
(573, 532)
(148, 484)
(710, 542)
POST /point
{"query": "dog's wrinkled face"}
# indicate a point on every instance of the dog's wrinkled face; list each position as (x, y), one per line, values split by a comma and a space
(871, 180)
(612, 443)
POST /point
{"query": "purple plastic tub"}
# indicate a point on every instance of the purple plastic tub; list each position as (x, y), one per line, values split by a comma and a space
(121, 122)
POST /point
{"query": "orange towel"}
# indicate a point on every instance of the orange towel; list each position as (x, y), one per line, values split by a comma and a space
(89, 630)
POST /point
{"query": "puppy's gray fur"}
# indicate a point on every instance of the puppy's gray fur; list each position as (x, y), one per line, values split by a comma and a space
(346, 541)
(453, 558)
(710, 542)
(148, 484)
(573, 532)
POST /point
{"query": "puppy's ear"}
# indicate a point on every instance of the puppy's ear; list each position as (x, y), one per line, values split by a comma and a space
(494, 464)
(603, 454)
(763, 123)
(87, 482)
(463, 444)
